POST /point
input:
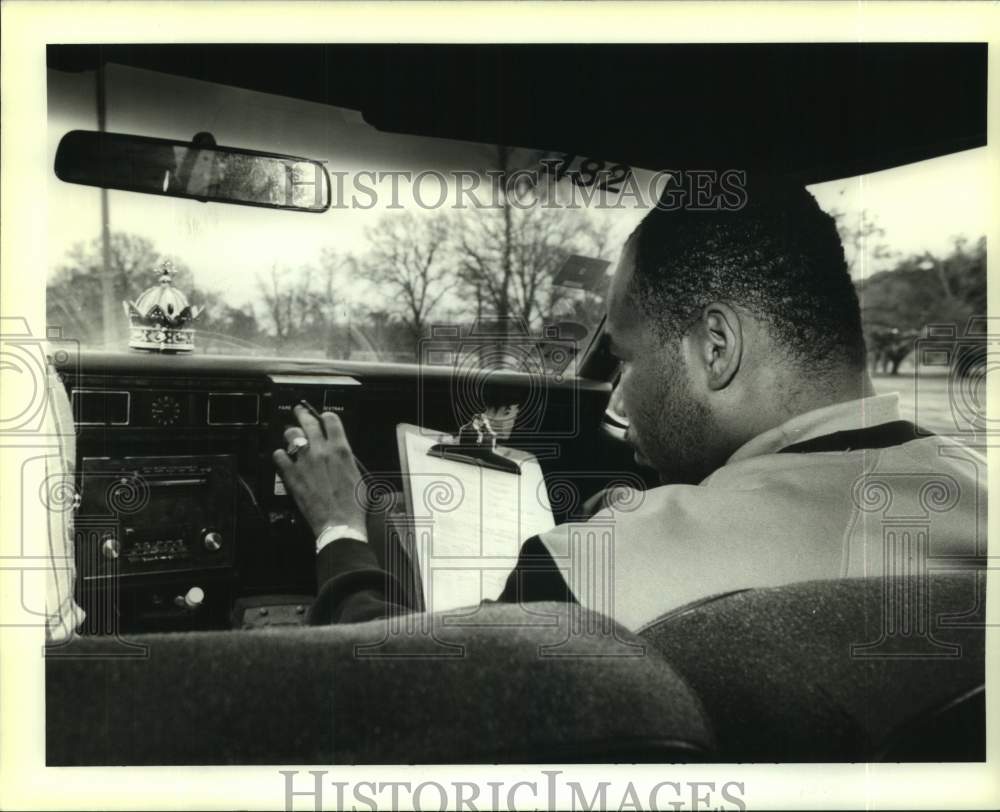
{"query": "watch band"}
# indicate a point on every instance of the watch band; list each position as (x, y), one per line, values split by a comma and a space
(338, 531)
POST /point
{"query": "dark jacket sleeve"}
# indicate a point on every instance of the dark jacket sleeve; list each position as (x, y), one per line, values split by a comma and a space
(354, 588)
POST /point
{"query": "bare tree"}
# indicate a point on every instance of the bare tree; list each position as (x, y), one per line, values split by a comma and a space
(336, 271)
(279, 300)
(76, 292)
(408, 260)
(864, 242)
(299, 309)
(508, 257)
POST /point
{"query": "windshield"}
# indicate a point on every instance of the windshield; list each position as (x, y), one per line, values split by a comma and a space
(427, 240)
(438, 251)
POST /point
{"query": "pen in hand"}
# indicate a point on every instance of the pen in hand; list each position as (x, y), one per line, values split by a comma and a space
(305, 404)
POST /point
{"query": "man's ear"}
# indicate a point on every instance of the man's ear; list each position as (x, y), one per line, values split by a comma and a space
(718, 338)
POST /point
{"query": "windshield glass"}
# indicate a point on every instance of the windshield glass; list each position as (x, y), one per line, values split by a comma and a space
(433, 246)
(426, 239)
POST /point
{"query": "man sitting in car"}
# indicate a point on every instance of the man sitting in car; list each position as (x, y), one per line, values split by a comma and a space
(744, 381)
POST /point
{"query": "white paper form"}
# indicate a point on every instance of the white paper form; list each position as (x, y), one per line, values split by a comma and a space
(475, 520)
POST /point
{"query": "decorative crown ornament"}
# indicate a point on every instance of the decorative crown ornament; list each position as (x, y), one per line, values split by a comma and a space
(160, 319)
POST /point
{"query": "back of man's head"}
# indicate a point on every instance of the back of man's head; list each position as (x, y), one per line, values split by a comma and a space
(778, 256)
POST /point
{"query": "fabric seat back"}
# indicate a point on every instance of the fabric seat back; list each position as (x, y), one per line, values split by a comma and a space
(538, 683)
(837, 670)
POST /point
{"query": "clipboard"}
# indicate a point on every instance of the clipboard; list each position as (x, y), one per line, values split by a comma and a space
(476, 444)
(468, 514)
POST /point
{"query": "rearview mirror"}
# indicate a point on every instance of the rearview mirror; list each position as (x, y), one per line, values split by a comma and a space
(199, 170)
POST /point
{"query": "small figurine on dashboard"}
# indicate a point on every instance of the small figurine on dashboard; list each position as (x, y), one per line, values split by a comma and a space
(161, 317)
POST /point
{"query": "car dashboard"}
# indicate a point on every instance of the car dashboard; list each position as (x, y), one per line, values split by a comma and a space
(182, 521)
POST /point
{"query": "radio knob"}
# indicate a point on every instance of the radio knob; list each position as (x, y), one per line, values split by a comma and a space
(213, 541)
(192, 599)
(110, 548)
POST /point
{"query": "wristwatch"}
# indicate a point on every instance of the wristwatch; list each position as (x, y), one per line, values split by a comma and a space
(335, 532)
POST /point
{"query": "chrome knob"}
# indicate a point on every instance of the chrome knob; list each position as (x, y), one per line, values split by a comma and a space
(110, 548)
(191, 599)
(212, 541)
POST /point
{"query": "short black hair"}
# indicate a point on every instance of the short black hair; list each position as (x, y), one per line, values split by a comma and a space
(779, 256)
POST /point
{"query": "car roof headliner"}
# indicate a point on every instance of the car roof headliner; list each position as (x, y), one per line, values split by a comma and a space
(818, 111)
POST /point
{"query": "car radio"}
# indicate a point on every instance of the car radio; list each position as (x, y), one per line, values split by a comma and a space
(155, 515)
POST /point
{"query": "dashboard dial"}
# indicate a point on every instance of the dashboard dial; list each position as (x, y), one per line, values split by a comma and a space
(165, 410)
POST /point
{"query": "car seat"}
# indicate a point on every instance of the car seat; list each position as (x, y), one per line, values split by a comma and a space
(818, 671)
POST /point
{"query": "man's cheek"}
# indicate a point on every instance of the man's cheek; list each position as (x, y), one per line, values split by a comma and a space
(638, 429)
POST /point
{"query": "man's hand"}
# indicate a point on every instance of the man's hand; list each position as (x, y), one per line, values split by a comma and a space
(323, 477)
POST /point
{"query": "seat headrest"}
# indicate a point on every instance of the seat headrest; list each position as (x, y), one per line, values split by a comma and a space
(829, 670)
